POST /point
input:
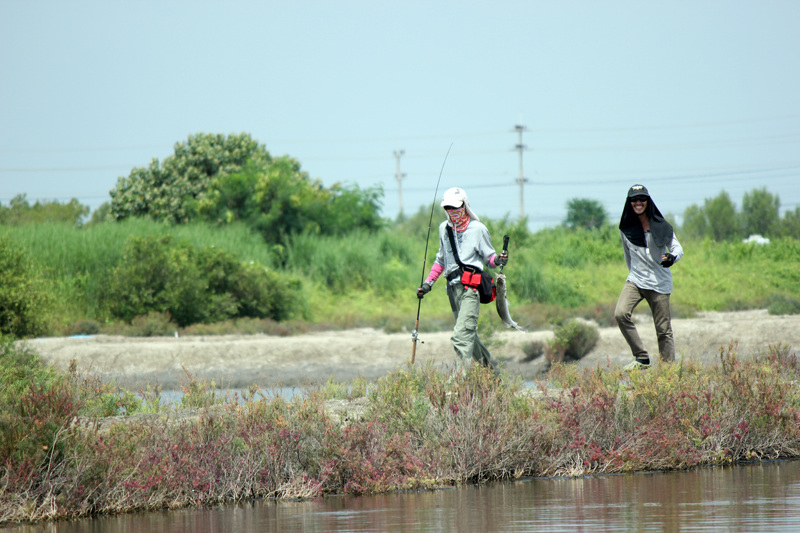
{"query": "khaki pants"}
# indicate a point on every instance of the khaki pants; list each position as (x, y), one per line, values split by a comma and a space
(659, 304)
(466, 306)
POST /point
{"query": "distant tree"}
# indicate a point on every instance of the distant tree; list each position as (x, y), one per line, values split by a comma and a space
(723, 222)
(354, 208)
(278, 199)
(790, 225)
(101, 214)
(760, 212)
(234, 179)
(584, 213)
(695, 223)
(170, 191)
(19, 211)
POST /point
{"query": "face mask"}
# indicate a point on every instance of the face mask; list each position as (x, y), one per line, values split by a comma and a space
(458, 218)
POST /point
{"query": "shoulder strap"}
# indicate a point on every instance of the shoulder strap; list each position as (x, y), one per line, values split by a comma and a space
(453, 247)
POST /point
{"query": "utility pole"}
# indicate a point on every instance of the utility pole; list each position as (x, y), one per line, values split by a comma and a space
(397, 155)
(521, 180)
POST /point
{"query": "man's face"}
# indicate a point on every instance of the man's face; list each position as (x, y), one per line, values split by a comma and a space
(639, 204)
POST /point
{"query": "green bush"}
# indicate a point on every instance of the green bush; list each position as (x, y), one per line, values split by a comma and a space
(35, 403)
(84, 327)
(533, 350)
(779, 304)
(572, 339)
(23, 296)
(153, 324)
(194, 285)
(38, 403)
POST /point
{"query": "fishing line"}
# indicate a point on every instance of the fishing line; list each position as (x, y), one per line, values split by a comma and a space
(414, 333)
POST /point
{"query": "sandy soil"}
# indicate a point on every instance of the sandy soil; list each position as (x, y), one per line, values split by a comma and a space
(239, 361)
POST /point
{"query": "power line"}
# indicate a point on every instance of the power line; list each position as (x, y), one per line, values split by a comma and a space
(712, 179)
(62, 169)
(548, 130)
(78, 149)
(674, 126)
(411, 138)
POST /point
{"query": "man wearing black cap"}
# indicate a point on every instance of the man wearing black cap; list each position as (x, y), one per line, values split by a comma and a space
(651, 248)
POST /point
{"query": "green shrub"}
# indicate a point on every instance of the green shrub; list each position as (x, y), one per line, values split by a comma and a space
(23, 297)
(152, 325)
(780, 304)
(199, 393)
(84, 327)
(573, 340)
(533, 350)
(156, 274)
(195, 285)
(35, 403)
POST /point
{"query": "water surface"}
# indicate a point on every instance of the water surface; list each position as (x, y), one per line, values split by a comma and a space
(743, 498)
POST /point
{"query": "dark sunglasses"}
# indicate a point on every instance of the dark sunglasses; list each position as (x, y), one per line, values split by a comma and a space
(635, 199)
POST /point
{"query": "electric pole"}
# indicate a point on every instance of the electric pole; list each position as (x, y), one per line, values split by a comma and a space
(397, 155)
(521, 180)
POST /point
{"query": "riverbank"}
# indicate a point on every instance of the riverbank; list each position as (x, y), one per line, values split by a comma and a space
(417, 429)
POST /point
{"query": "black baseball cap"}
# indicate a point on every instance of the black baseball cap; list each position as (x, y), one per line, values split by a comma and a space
(638, 190)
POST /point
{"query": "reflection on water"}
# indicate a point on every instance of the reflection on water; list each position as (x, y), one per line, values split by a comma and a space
(746, 498)
(172, 398)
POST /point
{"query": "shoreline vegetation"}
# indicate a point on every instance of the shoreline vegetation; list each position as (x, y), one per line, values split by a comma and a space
(222, 238)
(65, 455)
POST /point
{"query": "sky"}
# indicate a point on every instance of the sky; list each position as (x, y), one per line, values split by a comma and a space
(582, 99)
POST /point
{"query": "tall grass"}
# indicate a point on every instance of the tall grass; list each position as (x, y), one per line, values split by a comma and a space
(735, 275)
(365, 279)
(585, 268)
(77, 261)
(368, 279)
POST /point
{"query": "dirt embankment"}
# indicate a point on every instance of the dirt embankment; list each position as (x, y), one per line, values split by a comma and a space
(236, 361)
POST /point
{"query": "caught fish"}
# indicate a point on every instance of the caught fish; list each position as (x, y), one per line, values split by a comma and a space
(502, 304)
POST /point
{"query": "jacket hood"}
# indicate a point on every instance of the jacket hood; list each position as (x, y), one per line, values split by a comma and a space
(660, 230)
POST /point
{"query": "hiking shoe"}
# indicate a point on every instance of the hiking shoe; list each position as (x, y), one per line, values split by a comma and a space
(635, 365)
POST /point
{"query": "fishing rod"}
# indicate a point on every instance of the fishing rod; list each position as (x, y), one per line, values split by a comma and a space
(414, 332)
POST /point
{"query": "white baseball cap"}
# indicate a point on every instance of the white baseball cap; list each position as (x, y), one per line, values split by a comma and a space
(456, 197)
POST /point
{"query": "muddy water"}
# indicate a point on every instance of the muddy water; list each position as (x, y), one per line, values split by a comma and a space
(744, 498)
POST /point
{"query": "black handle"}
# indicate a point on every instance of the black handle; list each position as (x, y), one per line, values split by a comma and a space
(505, 243)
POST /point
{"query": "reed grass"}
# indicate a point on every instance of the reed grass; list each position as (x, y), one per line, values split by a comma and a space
(77, 261)
(369, 279)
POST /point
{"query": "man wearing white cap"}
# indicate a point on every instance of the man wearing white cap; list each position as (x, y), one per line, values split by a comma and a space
(474, 248)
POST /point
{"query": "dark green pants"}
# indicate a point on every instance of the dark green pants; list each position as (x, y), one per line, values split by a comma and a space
(466, 307)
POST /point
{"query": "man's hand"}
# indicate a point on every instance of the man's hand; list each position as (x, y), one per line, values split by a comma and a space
(667, 260)
(422, 291)
(501, 260)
